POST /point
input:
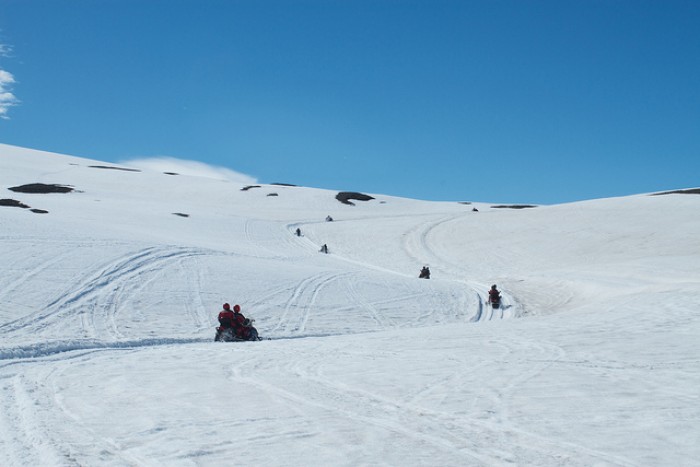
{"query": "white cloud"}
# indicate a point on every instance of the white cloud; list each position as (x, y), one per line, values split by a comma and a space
(187, 167)
(7, 99)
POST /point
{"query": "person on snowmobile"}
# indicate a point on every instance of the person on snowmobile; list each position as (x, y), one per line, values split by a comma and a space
(494, 297)
(424, 273)
(240, 323)
(234, 324)
(226, 319)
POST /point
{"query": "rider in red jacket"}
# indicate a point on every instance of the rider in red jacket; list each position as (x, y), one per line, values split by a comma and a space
(226, 317)
(240, 323)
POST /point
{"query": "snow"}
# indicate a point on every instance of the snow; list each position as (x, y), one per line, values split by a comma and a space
(108, 305)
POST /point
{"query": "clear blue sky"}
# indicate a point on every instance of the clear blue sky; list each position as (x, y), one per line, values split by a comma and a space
(504, 101)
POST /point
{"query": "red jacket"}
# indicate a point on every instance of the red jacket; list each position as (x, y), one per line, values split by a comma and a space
(239, 318)
(226, 319)
(240, 326)
(230, 319)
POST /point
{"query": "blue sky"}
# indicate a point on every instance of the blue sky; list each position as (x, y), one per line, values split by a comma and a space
(501, 101)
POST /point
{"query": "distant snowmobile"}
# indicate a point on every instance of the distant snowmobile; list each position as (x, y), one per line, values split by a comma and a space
(494, 297)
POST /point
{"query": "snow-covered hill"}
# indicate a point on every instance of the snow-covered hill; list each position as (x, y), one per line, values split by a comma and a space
(109, 295)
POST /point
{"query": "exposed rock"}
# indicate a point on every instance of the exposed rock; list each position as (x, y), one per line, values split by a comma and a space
(41, 188)
(13, 203)
(113, 168)
(690, 191)
(345, 197)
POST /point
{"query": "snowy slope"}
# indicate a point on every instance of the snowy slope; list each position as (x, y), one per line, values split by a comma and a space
(108, 305)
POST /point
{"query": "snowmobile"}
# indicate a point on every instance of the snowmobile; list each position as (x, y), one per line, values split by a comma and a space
(229, 334)
(424, 273)
(494, 297)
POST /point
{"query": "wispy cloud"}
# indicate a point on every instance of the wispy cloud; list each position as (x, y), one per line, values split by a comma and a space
(188, 167)
(7, 99)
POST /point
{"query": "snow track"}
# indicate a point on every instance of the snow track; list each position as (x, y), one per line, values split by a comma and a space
(97, 296)
(23, 427)
(299, 306)
(51, 348)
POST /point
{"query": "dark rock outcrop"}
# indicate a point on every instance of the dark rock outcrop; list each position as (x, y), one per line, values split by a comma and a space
(109, 167)
(345, 197)
(13, 203)
(514, 206)
(41, 188)
(690, 191)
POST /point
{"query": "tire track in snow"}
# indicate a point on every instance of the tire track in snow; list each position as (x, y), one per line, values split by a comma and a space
(48, 349)
(95, 299)
(358, 299)
(9, 289)
(23, 438)
(535, 357)
(302, 301)
(33, 432)
(415, 244)
(495, 440)
(195, 308)
(291, 301)
(383, 320)
(365, 409)
(257, 249)
(269, 240)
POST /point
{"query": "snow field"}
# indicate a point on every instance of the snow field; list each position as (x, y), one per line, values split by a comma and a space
(108, 306)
